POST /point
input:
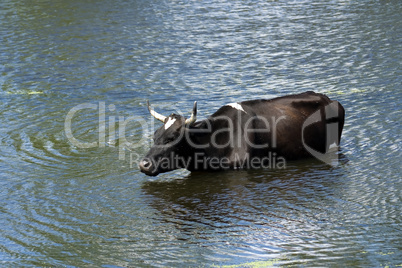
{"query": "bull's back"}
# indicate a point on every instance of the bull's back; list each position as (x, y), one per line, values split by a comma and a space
(305, 103)
(287, 116)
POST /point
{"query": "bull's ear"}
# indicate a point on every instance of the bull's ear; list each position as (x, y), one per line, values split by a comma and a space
(201, 128)
(193, 117)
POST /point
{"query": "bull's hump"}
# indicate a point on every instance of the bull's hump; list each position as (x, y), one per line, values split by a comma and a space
(236, 106)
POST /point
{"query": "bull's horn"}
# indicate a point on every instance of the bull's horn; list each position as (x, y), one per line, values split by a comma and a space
(193, 117)
(155, 114)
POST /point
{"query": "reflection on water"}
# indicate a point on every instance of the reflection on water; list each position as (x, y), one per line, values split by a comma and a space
(61, 205)
(266, 215)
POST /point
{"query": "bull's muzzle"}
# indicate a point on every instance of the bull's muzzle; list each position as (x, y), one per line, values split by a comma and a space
(147, 167)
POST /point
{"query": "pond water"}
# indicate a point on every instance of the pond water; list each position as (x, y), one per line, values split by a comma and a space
(94, 64)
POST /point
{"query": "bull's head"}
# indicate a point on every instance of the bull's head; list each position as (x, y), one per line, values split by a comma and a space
(169, 143)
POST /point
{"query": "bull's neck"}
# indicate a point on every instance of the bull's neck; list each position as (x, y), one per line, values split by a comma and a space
(201, 135)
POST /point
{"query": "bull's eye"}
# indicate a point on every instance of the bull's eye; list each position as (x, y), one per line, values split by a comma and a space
(169, 140)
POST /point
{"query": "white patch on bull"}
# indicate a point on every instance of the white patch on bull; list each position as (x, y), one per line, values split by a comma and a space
(236, 106)
(333, 147)
(170, 122)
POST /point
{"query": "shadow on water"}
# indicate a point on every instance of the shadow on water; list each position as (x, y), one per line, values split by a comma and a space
(262, 213)
(223, 198)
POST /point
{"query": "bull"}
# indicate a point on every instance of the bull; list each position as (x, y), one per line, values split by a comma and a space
(247, 134)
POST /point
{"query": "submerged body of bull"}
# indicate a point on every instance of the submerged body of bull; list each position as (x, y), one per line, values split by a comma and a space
(249, 134)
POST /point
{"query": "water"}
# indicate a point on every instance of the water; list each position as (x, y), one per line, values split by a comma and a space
(65, 206)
